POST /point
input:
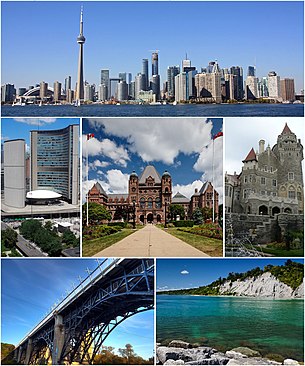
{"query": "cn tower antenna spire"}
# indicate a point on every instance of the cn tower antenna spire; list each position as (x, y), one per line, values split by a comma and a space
(80, 73)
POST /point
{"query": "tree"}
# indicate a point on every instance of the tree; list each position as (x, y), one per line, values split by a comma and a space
(176, 210)
(220, 215)
(49, 225)
(69, 239)
(8, 238)
(197, 217)
(28, 228)
(96, 213)
(127, 352)
(207, 213)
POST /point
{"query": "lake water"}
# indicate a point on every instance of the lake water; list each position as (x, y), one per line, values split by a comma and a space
(269, 326)
(196, 110)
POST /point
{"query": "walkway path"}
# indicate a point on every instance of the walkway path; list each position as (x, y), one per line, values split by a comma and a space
(151, 242)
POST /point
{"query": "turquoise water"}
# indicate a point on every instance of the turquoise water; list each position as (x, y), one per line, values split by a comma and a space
(269, 326)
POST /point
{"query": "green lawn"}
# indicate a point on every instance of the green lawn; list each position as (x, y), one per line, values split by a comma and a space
(91, 247)
(281, 252)
(212, 247)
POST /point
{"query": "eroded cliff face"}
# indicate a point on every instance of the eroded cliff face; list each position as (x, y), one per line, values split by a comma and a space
(265, 285)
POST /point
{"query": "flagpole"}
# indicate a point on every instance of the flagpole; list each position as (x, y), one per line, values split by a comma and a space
(87, 175)
(213, 183)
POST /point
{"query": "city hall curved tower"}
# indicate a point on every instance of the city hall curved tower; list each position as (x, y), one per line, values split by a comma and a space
(80, 73)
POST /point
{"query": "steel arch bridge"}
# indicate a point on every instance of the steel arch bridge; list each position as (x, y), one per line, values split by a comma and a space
(76, 329)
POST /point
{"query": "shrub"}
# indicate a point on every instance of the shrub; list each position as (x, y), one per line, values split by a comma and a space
(118, 224)
(183, 223)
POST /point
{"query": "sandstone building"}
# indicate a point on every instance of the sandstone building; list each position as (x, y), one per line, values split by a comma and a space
(149, 196)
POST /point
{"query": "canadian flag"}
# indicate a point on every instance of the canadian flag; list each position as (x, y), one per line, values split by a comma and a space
(219, 134)
(90, 136)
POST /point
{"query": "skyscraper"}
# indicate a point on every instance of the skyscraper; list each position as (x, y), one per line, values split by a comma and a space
(239, 86)
(68, 83)
(274, 85)
(80, 74)
(172, 72)
(105, 80)
(251, 88)
(154, 63)
(155, 78)
(251, 71)
(55, 161)
(43, 90)
(145, 72)
(57, 91)
(288, 90)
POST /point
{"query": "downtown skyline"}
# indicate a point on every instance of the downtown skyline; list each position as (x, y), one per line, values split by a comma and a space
(127, 55)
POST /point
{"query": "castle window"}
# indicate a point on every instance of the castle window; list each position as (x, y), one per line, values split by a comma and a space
(291, 194)
(166, 190)
(158, 203)
(142, 202)
(299, 196)
(290, 176)
(265, 168)
(226, 190)
(271, 169)
(263, 180)
(245, 179)
(246, 193)
(263, 193)
(149, 203)
(274, 182)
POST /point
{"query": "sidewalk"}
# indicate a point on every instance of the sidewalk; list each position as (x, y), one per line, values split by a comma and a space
(150, 242)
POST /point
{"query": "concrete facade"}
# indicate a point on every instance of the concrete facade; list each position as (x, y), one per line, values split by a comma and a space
(14, 173)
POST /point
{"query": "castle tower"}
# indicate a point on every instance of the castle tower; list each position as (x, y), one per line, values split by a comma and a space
(289, 152)
(80, 73)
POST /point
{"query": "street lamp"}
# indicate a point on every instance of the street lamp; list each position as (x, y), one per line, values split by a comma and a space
(165, 223)
(134, 214)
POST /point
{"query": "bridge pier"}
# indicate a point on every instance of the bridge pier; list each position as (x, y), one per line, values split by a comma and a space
(20, 349)
(29, 349)
(15, 354)
(59, 339)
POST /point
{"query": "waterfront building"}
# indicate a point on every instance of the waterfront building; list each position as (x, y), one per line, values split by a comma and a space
(251, 88)
(149, 196)
(251, 71)
(122, 90)
(113, 89)
(208, 85)
(155, 63)
(68, 84)
(263, 87)
(21, 91)
(287, 90)
(147, 96)
(210, 67)
(274, 85)
(8, 93)
(172, 72)
(230, 86)
(181, 87)
(43, 93)
(239, 86)
(80, 73)
(55, 161)
(155, 85)
(271, 180)
(102, 92)
(140, 83)
(14, 173)
(155, 77)
(70, 96)
(145, 72)
(89, 92)
(131, 90)
(57, 91)
(105, 80)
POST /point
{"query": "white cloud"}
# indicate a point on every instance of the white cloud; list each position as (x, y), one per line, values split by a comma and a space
(106, 148)
(184, 272)
(241, 134)
(112, 181)
(98, 164)
(158, 139)
(35, 121)
(187, 190)
(204, 164)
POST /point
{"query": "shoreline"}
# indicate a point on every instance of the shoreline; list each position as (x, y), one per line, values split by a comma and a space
(178, 352)
(235, 296)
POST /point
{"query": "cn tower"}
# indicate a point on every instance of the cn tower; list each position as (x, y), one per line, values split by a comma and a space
(80, 73)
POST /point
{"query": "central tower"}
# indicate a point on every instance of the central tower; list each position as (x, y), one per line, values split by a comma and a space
(80, 73)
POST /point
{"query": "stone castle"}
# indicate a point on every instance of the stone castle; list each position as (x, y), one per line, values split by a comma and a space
(149, 196)
(271, 180)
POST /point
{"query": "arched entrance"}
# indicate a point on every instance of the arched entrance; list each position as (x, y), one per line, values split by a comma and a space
(158, 218)
(263, 210)
(275, 210)
(287, 210)
(150, 218)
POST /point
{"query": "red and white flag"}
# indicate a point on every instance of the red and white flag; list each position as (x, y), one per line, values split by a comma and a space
(219, 134)
(90, 136)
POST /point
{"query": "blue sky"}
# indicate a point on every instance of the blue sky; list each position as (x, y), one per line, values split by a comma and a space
(182, 146)
(188, 273)
(31, 286)
(39, 38)
(19, 128)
